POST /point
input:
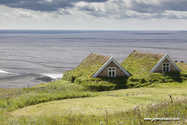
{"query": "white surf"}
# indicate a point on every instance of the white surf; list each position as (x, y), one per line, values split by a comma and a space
(54, 76)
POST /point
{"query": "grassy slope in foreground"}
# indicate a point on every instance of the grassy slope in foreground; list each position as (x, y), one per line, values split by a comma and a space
(19, 98)
(115, 102)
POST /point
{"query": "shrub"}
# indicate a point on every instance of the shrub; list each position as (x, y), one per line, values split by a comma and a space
(133, 79)
(100, 87)
(130, 84)
(68, 77)
(162, 80)
(170, 80)
(137, 86)
(142, 80)
(146, 84)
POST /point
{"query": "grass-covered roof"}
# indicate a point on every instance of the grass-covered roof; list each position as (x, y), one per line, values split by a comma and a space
(89, 66)
(141, 63)
(138, 64)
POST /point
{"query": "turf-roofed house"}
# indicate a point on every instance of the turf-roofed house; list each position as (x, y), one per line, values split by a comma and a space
(139, 62)
(111, 69)
(165, 65)
(98, 70)
(151, 68)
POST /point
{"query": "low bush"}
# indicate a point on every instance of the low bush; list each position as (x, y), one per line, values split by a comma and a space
(100, 87)
(132, 79)
(68, 77)
(142, 80)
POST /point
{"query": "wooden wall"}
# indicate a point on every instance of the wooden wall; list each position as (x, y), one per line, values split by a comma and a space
(119, 72)
(172, 68)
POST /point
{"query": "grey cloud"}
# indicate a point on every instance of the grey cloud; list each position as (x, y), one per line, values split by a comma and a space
(142, 9)
(43, 5)
(90, 7)
(7, 15)
(176, 5)
(112, 9)
(158, 6)
(25, 14)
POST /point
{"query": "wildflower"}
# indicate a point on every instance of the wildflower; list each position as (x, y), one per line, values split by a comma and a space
(185, 121)
(171, 98)
(106, 111)
(101, 123)
(120, 123)
(136, 107)
(178, 113)
(154, 104)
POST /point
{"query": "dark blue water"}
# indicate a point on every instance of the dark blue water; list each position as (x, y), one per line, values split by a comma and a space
(55, 51)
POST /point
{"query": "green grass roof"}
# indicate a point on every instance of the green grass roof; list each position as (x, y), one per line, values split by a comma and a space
(141, 63)
(89, 66)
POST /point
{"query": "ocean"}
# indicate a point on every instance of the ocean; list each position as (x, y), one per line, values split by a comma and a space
(27, 54)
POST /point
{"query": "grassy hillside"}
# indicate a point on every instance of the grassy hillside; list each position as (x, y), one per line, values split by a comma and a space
(112, 107)
(12, 99)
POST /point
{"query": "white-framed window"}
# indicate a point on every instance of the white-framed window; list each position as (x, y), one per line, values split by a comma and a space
(111, 71)
(166, 67)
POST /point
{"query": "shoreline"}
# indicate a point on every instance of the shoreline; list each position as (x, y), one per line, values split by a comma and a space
(15, 80)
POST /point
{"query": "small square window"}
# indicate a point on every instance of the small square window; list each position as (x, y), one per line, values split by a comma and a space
(111, 71)
(165, 67)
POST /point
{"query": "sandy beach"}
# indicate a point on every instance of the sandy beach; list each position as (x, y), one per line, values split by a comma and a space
(13, 80)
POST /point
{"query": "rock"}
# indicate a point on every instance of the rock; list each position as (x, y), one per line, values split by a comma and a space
(45, 79)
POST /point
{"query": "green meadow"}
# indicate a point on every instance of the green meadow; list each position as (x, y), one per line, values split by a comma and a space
(62, 102)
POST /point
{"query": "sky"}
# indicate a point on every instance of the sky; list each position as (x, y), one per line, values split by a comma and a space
(93, 14)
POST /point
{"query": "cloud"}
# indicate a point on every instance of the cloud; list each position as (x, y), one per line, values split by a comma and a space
(158, 6)
(25, 14)
(79, 19)
(43, 5)
(90, 6)
(66, 12)
(7, 15)
(142, 9)
(50, 16)
(110, 9)
(146, 6)
(175, 15)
